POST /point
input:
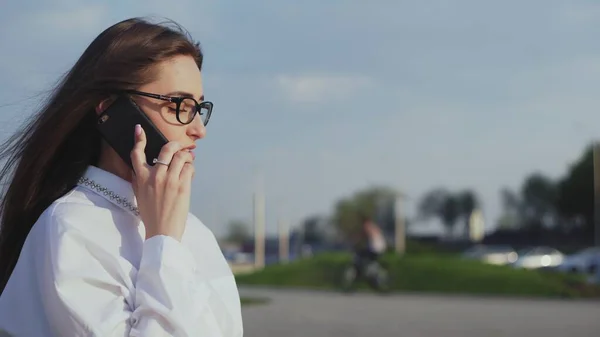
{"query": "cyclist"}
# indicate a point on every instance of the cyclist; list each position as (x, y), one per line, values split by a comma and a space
(370, 244)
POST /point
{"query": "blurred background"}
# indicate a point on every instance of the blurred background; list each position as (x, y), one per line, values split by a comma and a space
(465, 129)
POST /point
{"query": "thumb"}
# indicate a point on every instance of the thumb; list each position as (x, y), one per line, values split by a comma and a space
(140, 134)
(138, 156)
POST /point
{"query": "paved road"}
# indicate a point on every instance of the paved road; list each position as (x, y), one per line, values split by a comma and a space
(297, 313)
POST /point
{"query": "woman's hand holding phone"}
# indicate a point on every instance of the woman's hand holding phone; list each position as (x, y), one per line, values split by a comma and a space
(162, 191)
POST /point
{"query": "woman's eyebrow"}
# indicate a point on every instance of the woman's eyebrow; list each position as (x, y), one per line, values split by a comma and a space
(184, 94)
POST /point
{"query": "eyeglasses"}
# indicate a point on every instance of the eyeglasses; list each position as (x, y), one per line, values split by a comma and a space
(185, 107)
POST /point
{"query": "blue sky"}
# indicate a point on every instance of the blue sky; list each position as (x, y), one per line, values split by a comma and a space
(323, 98)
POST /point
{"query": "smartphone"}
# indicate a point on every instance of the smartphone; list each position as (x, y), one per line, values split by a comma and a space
(117, 126)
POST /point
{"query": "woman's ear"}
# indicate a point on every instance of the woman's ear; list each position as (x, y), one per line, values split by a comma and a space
(104, 104)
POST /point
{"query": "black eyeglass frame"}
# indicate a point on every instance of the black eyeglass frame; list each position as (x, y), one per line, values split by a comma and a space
(178, 100)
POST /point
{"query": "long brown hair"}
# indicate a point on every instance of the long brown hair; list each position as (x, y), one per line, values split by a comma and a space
(51, 152)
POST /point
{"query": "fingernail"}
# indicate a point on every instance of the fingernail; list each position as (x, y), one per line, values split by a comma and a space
(138, 129)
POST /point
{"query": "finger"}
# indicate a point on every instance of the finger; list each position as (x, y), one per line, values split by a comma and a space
(138, 156)
(166, 156)
(187, 174)
(179, 160)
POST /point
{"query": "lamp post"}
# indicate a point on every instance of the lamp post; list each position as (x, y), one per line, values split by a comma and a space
(596, 154)
(400, 226)
(283, 242)
(259, 230)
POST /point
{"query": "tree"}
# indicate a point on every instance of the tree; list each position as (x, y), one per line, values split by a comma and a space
(539, 195)
(507, 221)
(575, 200)
(238, 232)
(441, 204)
(370, 201)
(448, 207)
(544, 202)
(512, 210)
(315, 231)
(432, 203)
(450, 212)
(511, 203)
(467, 203)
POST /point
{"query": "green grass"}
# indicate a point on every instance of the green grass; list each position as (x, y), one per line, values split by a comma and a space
(428, 271)
(253, 300)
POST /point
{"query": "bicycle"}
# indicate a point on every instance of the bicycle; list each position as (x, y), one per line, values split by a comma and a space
(375, 274)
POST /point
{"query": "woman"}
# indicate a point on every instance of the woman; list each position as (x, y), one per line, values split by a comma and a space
(371, 241)
(88, 246)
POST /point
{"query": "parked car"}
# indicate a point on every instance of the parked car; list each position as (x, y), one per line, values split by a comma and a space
(583, 262)
(538, 257)
(493, 254)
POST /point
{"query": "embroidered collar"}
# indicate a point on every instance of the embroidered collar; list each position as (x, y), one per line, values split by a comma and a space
(113, 188)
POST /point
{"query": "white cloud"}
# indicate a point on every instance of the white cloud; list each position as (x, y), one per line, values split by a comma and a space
(462, 100)
(317, 88)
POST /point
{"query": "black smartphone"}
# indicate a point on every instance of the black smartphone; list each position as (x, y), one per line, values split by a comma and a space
(117, 126)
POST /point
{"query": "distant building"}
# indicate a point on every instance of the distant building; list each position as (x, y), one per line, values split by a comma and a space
(476, 231)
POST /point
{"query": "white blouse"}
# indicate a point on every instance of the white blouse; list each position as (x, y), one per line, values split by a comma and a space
(86, 270)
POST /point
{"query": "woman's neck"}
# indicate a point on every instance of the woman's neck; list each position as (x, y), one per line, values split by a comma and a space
(111, 162)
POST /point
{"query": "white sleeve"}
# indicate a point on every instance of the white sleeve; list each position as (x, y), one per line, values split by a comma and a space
(86, 294)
